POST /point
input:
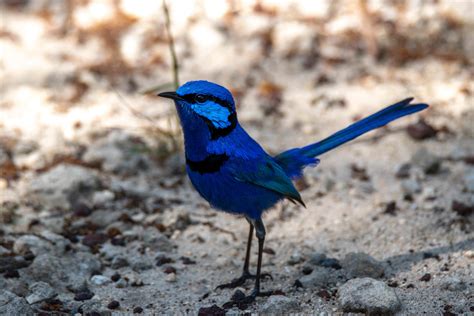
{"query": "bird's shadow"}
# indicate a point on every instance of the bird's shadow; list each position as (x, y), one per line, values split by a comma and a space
(404, 262)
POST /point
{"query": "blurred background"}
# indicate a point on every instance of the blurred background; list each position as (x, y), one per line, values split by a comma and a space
(90, 157)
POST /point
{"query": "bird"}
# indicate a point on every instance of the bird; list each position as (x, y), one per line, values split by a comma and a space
(230, 170)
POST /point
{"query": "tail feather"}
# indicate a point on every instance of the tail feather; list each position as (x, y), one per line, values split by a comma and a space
(294, 160)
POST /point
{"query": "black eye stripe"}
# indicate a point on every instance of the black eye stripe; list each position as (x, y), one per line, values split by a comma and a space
(191, 98)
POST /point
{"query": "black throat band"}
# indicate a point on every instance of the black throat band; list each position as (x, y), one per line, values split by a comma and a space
(212, 163)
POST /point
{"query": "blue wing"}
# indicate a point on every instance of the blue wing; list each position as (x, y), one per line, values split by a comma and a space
(294, 160)
(266, 173)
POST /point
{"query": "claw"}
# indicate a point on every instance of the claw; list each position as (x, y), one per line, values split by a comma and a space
(242, 279)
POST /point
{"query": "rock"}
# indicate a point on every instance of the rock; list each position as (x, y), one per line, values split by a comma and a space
(278, 304)
(40, 291)
(369, 296)
(141, 263)
(453, 284)
(468, 180)
(430, 163)
(118, 153)
(63, 186)
(10, 304)
(295, 258)
(50, 242)
(100, 280)
(170, 277)
(317, 258)
(403, 171)
(155, 240)
(411, 186)
(102, 197)
(66, 271)
(320, 277)
(362, 265)
(119, 262)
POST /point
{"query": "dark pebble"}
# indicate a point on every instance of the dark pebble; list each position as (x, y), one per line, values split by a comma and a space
(113, 305)
(392, 283)
(426, 277)
(93, 240)
(359, 173)
(391, 208)
(430, 255)
(410, 286)
(324, 294)
(81, 210)
(187, 260)
(169, 270)
(330, 263)
(138, 310)
(404, 171)
(115, 277)
(10, 274)
(161, 260)
(116, 241)
(462, 208)
(83, 296)
(421, 130)
(307, 270)
(211, 311)
(298, 284)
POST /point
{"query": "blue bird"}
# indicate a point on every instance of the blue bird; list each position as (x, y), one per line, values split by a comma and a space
(234, 173)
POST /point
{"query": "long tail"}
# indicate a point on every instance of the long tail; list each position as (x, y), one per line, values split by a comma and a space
(294, 160)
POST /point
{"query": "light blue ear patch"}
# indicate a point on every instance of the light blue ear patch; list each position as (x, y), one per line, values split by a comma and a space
(214, 112)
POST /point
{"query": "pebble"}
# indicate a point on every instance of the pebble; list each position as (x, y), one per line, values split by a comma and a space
(403, 171)
(426, 160)
(319, 277)
(113, 305)
(100, 280)
(469, 254)
(83, 296)
(411, 186)
(369, 296)
(276, 304)
(362, 265)
(119, 262)
(171, 277)
(40, 291)
(10, 304)
(295, 258)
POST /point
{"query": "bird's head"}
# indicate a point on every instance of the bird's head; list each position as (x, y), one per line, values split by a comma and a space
(204, 101)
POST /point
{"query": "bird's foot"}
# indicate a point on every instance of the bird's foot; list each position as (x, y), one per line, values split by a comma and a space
(242, 279)
(242, 301)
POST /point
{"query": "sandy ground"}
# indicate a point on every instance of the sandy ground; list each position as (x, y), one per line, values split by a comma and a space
(94, 199)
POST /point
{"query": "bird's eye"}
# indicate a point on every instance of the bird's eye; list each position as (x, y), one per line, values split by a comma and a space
(199, 98)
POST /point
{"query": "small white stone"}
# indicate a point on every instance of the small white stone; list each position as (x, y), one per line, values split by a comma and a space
(171, 277)
(100, 280)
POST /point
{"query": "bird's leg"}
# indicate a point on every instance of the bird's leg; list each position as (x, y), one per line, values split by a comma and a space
(260, 233)
(239, 299)
(246, 275)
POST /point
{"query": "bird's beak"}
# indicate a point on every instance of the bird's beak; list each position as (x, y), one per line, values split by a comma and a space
(170, 95)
